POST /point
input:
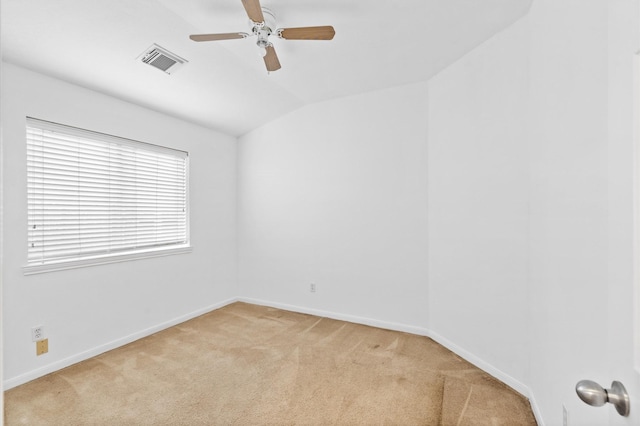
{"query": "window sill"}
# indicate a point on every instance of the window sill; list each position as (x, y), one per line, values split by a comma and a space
(103, 260)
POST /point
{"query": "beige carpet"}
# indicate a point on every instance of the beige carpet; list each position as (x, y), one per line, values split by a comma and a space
(250, 365)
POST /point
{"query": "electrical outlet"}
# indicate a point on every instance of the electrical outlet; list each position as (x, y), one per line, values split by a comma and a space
(42, 346)
(37, 333)
(565, 416)
(312, 288)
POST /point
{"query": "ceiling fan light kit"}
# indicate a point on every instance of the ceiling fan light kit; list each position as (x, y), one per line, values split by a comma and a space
(263, 24)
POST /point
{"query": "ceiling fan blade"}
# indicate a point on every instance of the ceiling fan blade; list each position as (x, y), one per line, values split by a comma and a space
(254, 10)
(307, 33)
(271, 59)
(215, 37)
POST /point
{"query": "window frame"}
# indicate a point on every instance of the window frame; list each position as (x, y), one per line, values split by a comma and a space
(114, 257)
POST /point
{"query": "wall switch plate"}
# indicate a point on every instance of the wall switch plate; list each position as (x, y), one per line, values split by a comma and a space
(42, 346)
(37, 333)
(565, 416)
(312, 288)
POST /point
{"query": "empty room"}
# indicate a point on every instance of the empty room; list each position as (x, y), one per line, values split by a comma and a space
(347, 212)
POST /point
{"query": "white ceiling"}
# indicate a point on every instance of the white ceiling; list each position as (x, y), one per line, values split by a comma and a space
(378, 44)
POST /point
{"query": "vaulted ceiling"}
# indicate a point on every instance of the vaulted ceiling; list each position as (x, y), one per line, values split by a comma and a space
(224, 86)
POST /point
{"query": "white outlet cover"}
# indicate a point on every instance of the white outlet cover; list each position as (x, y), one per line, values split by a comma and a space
(37, 333)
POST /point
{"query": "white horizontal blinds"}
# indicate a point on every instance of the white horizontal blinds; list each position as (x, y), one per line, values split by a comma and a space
(91, 194)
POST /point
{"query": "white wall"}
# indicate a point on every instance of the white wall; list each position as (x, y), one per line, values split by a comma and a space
(478, 206)
(335, 193)
(91, 309)
(568, 190)
(541, 238)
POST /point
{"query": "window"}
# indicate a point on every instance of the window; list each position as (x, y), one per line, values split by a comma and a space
(95, 198)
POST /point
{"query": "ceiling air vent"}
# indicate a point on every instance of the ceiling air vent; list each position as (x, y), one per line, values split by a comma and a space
(160, 58)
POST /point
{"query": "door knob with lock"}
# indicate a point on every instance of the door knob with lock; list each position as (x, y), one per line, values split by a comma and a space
(594, 394)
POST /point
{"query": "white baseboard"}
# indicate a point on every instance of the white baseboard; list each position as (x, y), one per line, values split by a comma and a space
(481, 364)
(343, 317)
(513, 383)
(458, 350)
(421, 331)
(536, 409)
(58, 365)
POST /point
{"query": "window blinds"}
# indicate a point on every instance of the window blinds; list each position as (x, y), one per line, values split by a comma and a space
(91, 194)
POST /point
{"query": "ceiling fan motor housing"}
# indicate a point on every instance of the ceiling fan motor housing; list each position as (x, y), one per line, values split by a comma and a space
(264, 30)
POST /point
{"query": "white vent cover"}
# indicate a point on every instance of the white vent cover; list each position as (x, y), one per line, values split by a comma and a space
(160, 58)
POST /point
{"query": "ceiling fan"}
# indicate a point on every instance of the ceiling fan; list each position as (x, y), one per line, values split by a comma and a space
(262, 22)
